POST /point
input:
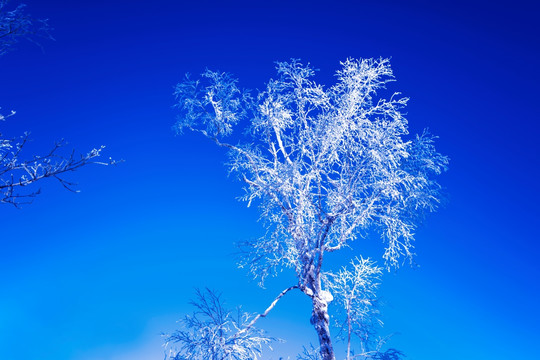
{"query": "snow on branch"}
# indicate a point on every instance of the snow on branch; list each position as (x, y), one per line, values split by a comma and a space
(212, 105)
(327, 164)
(18, 173)
(214, 332)
(16, 24)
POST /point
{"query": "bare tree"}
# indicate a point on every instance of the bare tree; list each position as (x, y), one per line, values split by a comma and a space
(327, 166)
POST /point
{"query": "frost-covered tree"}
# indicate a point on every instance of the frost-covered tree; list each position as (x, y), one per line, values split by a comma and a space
(17, 171)
(327, 165)
(354, 289)
(16, 24)
(214, 332)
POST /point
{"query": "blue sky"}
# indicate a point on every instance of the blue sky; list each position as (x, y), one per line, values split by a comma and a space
(99, 274)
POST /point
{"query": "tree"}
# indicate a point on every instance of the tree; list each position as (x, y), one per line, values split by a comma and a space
(327, 166)
(17, 24)
(16, 172)
(214, 332)
(355, 291)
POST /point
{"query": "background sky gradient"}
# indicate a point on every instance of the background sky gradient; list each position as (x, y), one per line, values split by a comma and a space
(100, 274)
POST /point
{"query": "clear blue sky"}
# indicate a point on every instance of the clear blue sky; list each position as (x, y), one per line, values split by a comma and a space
(99, 274)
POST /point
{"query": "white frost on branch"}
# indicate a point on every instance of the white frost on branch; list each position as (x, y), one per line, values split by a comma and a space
(18, 172)
(16, 24)
(355, 290)
(213, 332)
(325, 164)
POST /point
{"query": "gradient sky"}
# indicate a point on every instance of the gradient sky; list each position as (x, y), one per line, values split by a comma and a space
(100, 274)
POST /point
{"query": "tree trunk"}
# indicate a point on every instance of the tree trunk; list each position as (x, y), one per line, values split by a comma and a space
(321, 322)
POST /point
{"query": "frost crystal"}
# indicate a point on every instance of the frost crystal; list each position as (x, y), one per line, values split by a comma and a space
(325, 164)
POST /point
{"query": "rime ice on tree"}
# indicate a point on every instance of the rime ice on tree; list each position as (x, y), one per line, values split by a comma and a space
(16, 171)
(326, 165)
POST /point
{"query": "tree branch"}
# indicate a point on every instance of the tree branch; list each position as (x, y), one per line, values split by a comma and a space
(268, 309)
